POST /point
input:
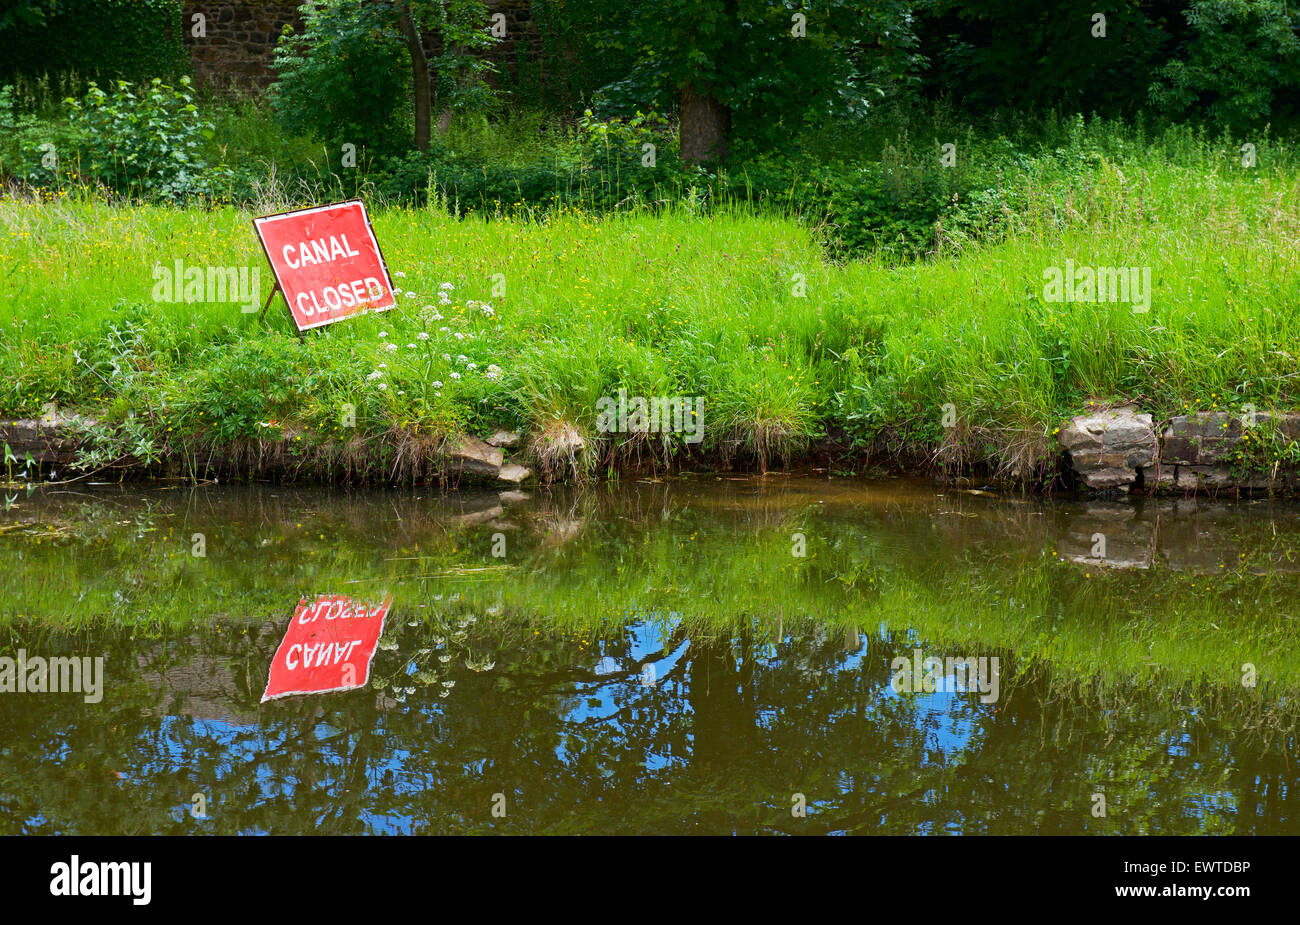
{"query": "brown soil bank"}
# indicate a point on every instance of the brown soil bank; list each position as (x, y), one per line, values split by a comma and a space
(1113, 450)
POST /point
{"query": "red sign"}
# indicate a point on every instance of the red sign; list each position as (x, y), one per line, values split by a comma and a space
(327, 263)
(328, 647)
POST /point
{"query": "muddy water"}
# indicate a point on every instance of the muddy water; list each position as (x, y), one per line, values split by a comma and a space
(707, 655)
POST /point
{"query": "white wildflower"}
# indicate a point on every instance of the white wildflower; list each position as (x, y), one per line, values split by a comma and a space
(423, 335)
(454, 374)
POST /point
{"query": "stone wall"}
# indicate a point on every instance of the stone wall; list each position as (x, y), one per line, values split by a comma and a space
(1118, 448)
(238, 49)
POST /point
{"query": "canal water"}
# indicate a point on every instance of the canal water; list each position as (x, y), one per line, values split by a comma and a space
(707, 654)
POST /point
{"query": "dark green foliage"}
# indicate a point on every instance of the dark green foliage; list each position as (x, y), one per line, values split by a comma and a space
(1239, 67)
(345, 77)
(1029, 53)
(142, 140)
(1233, 63)
(870, 210)
(605, 169)
(108, 39)
(847, 56)
(251, 378)
(573, 61)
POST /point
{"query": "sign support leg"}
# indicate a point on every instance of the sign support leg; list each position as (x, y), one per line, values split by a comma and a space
(269, 299)
(274, 290)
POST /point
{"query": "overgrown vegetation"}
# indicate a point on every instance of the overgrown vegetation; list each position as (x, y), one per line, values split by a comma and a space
(874, 255)
(105, 39)
(712, 295)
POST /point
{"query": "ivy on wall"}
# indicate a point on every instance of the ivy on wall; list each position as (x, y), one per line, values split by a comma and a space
(126, 39)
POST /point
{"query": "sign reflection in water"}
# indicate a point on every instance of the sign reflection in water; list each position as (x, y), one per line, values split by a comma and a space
(328, 647)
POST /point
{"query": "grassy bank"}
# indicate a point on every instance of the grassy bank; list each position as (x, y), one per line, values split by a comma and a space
(734, 303)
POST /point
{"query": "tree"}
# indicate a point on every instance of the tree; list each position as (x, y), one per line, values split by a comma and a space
(1239, 65)
(341, 77)
(760, 67)
(458, 29)
(1036, 55)
(27, 13)
(419, 74)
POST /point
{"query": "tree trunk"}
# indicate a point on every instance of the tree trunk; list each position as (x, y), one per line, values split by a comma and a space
(706, 123)
(419, 77)
(722, 722)
(446, 107)
(443, 125)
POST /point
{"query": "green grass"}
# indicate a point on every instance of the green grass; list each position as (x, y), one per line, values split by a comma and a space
(679, 300)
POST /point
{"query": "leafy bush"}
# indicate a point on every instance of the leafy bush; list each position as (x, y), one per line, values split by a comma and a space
(344, 78)
(24, 154)
(142, 143)
(607, 166)
(1031, 54)
(246, 385)
(572, 62)
(869, 210)
(347, 77)
(846, 57)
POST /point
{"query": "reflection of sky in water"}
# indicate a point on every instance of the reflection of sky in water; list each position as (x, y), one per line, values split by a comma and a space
(948, 720)
(946, 716)
(246, 744)
(239, 748)
(603, 700)
(599, 736)
(949, 714)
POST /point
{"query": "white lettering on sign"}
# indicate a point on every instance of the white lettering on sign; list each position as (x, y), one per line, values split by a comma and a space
(328, 646)
(319, 252)
(347, 295)
(307, 655)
